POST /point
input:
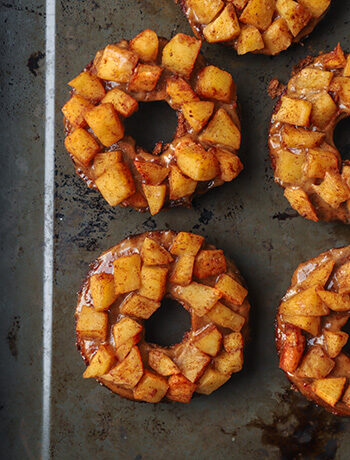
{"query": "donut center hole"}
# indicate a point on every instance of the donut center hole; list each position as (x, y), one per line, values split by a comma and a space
(341, 138)
(154, 121)
(168, 325)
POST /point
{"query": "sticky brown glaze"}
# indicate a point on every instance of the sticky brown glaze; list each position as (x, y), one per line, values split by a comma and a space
(338, 262)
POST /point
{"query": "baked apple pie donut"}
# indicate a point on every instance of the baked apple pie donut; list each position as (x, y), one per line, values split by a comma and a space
(254, 26)
(203, 153)
(126, 285)
(309, 336)
(304, 158)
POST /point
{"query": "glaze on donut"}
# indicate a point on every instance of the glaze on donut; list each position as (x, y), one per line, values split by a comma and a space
(203, 153)
(126, 285)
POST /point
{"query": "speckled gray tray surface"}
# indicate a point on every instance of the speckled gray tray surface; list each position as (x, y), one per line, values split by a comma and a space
(255, 415)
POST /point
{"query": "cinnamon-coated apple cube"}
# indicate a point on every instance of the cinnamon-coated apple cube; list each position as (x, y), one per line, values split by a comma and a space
(208, 340)
(346, 174)
(186, 244)
(258, 13)
(335, 341)
(210, 381)
(122, 102)
(101, 362)
(215, 83)
(89, 86)
(300, 137)
(333, 189)
(334, 300)
(106, 160)
(145, 44)
(151, 388)
(306, 303)
(346, 397)
(231, 290)
(82, 146)
(151, 173)
(199, 297)
(289, 167)
(319, 275)
(155, 196)
(310, 79)
(299, 201)
(161, 363)
(342, 366)
(123, 350)
(329, 390)
(292, 349)
(239, 4)
(249, 40)
(319, 161)
(323, 108)
(152, 253)
(277, 37)
(116, 184)
(145, 77)
(333, 60)
(209, 262)
(205, 11)
(346, 72)
(182, 270)
(222, 130)
(295, 15)
(228, 363)
(230, 164)
(92, 324)
(102, 290)
(127, 273)
(194, 161)
(233, 342)
(179, 92)
(180, 389)
(180, 185)
(116, 64)
(343, 278)
(74, 110)
(225, 317)
(309, 324)
(225, 27)
(128, 372)
(316, 364)
(180, 54)
(105, 123)
(294, 111)
(153, 282)
(316, 7)
(139, 306)
(126, 329)
(197, 113)
(192, 362)
(341, 85)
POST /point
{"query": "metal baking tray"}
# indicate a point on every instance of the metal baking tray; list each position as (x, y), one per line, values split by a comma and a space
(50, 219)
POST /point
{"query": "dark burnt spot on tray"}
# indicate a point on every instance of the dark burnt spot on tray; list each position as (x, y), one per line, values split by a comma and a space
(205, 216)
(12, 336)
(285, 215)
(33, 62)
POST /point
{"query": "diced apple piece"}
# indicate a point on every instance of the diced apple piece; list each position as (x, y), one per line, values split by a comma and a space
(310, 79)
(145, 44)
(153, 282)
(127, 273)
(128, 372)
(316, 7)
(209, 262)
(346, 396)
(249, 40)
(180, 388)
(306, 303)
(139, 306)
(335, 301)
(347, 67)
(294, 111)
(161, 363)
(192, 362)
(222, 130)
(116, 64)
(233, 342)
(155, 196)
(319, 161)
(151, 388)
(228, 363)
(186, 244)
(309, 324)
(74, 110)
(318, 276)
(88, 86)
(231, 290)
(199, 297)
(116, 184)
(197, 113)
(180, 92)
(210, 381)
(101, 362)
(300, 137)
(102, 290)
(215, 83)
(205, 10)
(316, 364)
(180, 185)
(224, 317)
(122, 102)
(330, 390)
(230, 164)
(208, 340)
(346, 174)
(225, 27)
(180, 54)
(92, 324)
(335, 342)
(292, 350)
(126, 329)
(299, 201)
(324, 109)
(333, 190)
(333, 60)
(258, 13)
(82, 146)
(239, 4)
(183, 270)
(145, 77)
(341, 85)
(153, 253)
(105, 123)
(277, 37)
(123, 350)
(289, 167)
(343, 278)
(151, 173)
(295, 15)
(106, 160)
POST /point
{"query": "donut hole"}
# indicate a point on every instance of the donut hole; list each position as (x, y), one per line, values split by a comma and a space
(153, 122)
(168, 325)
(341, 138)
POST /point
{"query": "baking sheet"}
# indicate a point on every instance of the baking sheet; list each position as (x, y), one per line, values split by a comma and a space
(255, 415)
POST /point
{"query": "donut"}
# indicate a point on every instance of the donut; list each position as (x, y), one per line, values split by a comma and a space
(203, 153)
(305, 160)
(126, 285)
(309, 336)
(254, 26)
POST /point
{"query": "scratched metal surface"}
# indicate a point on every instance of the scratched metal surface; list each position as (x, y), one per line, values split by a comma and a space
(255, 415)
